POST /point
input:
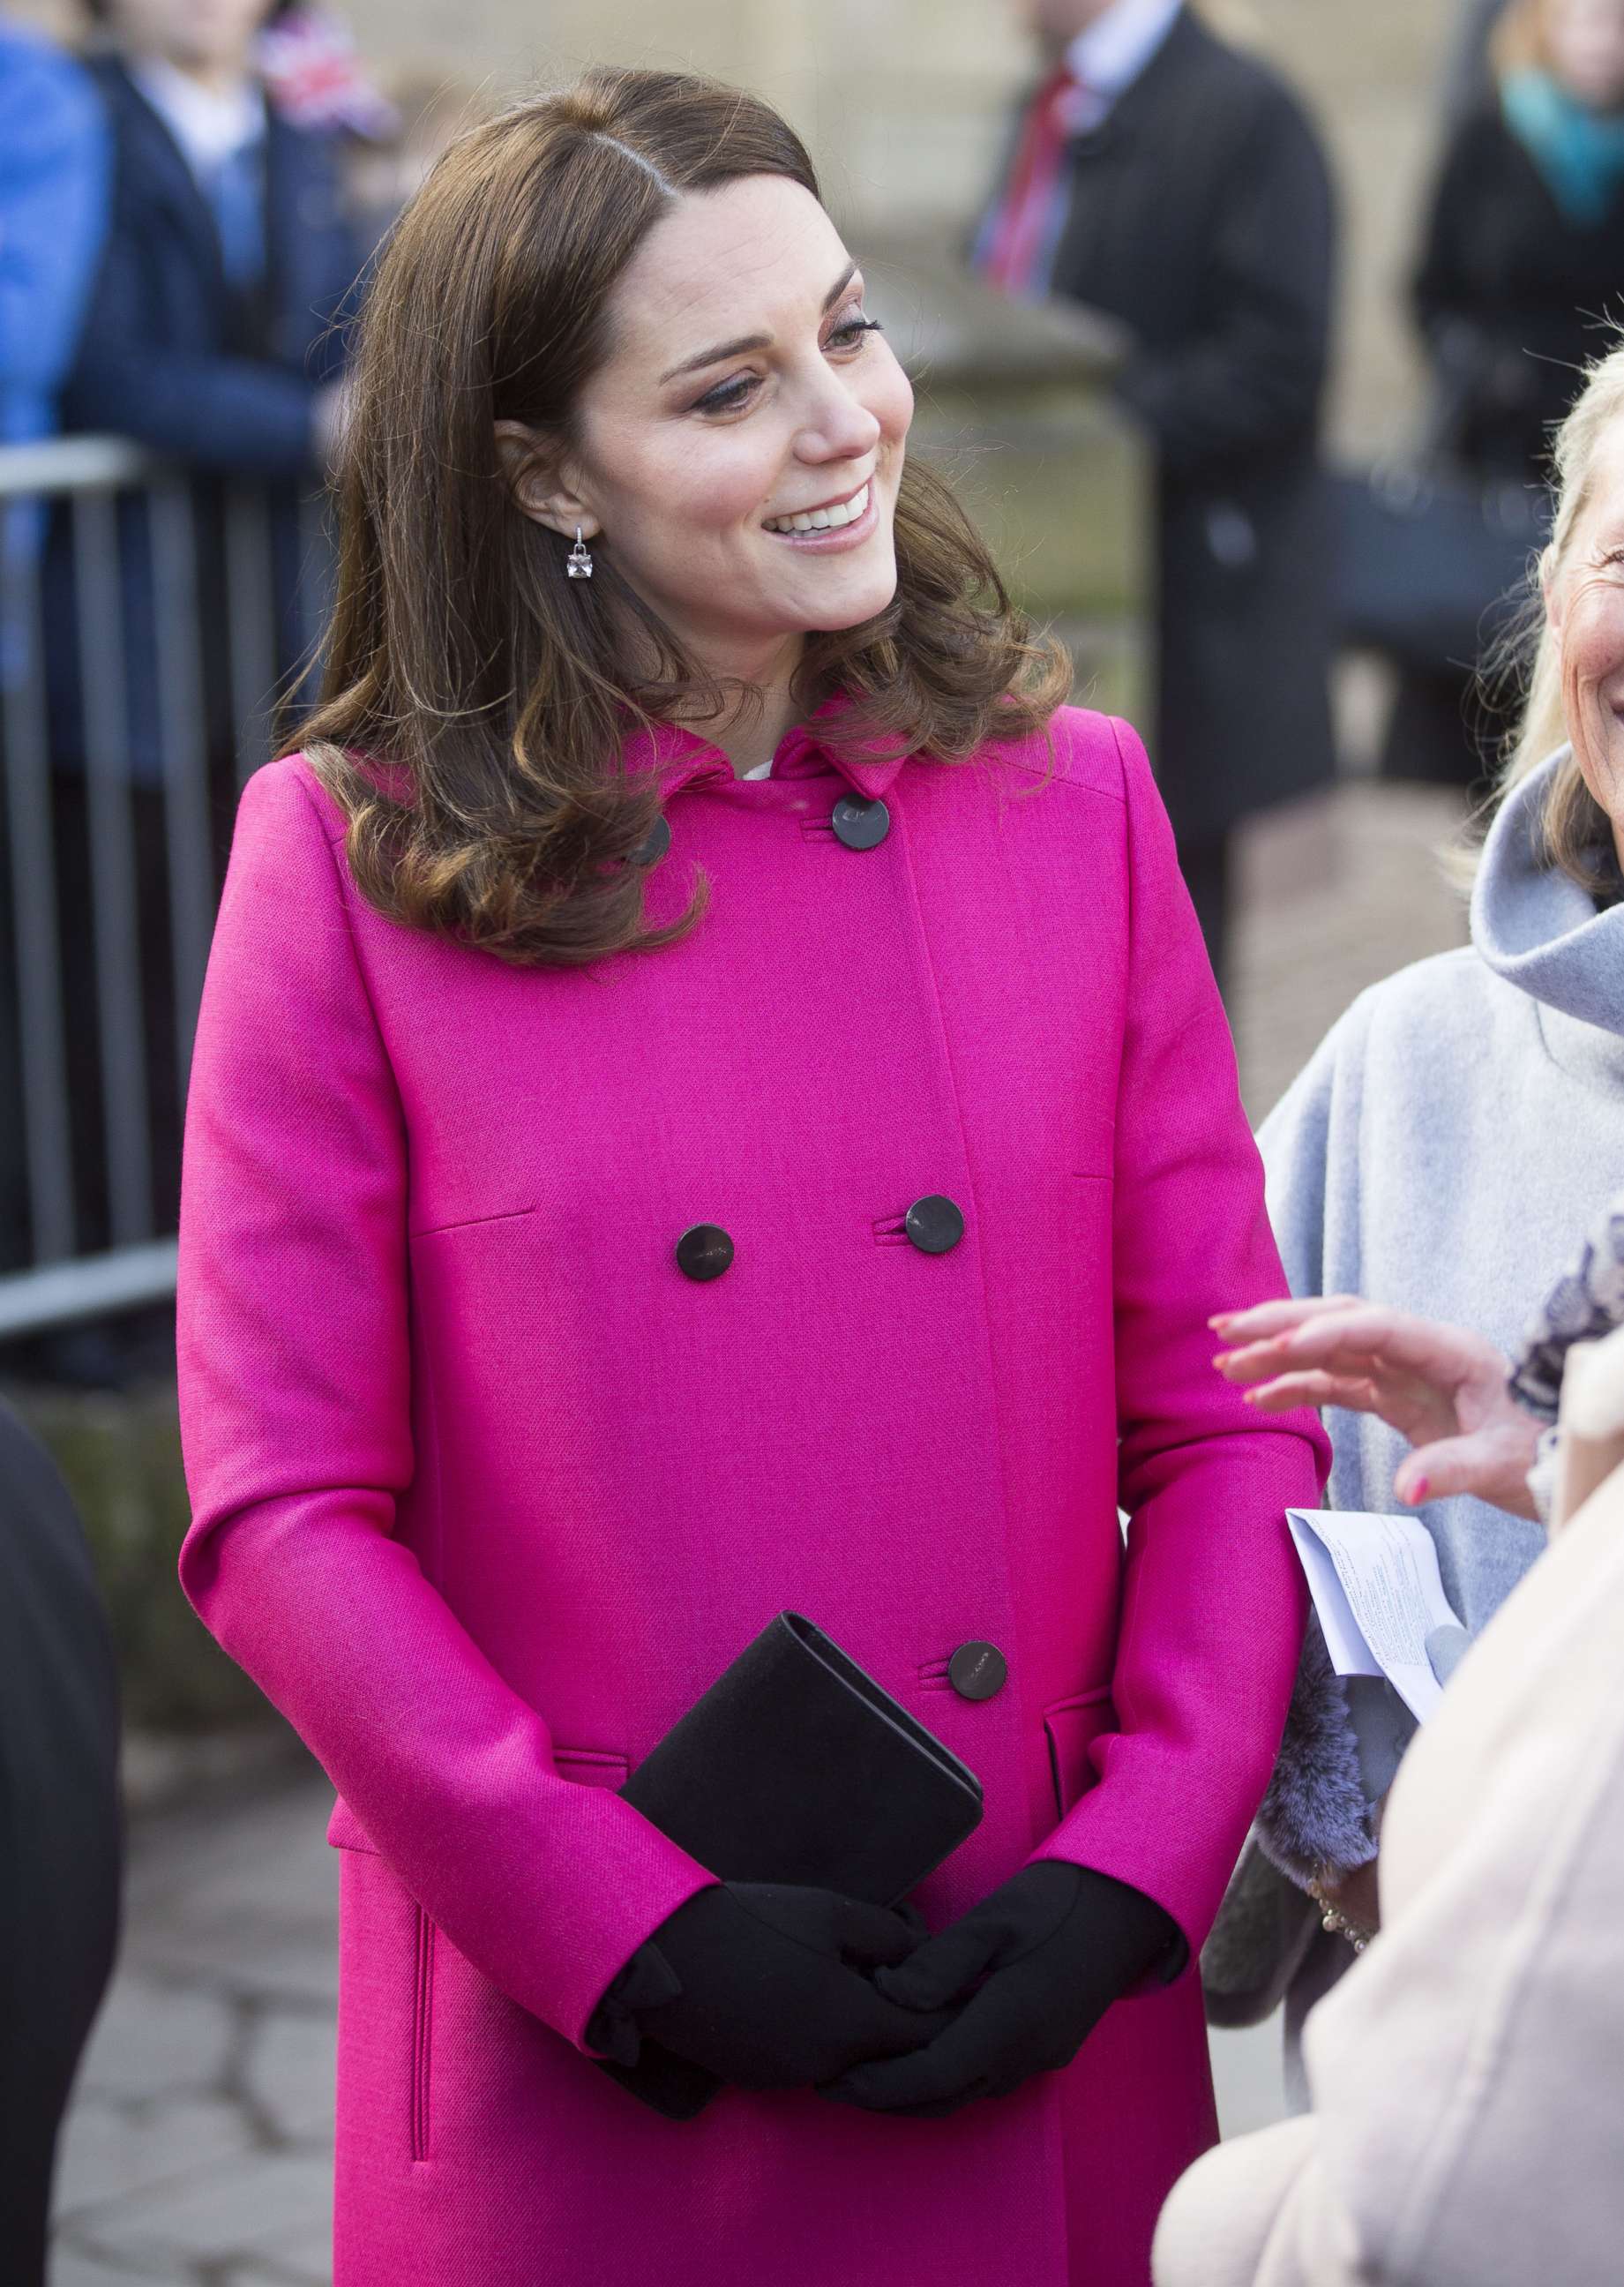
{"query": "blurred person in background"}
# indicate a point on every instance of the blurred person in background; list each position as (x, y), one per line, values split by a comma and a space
(210, 336)
(54, 198)
(1468, 2110)
(1469, 73)
(1437, 1152)
(1161, 177)
(1522, 262)
(60, 1847)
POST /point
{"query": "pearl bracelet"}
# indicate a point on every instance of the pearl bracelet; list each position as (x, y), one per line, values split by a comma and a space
(1333, 1920)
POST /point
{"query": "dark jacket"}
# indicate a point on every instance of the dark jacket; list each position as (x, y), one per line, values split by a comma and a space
(59, 1842)
(1201, 215)
(1510, 296)
(172, 355)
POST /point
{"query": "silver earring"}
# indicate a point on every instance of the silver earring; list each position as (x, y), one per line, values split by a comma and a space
(578, 562)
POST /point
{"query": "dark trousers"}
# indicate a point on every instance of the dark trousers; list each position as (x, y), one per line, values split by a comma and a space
(75, 905)
(1439, 732)
(75, 959)
(61, 1846)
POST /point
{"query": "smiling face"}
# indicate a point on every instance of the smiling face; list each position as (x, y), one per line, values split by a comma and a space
(1584, 40)
(737, 454)
(191, 34)
(1584, 601)
(1056, 23)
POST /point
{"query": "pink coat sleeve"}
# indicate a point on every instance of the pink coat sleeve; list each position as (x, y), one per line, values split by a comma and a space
(1213, 1602)
(297, 1429)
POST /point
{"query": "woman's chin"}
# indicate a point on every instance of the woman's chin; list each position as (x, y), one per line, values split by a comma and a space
(851, 604)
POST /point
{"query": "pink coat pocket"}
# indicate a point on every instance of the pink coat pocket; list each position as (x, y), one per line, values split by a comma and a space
(1072, 1726)
(582, 1766)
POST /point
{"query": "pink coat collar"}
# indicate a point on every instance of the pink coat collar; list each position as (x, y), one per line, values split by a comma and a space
(684, 758)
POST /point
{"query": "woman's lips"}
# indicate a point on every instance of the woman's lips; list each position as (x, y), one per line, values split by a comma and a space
(834, 539)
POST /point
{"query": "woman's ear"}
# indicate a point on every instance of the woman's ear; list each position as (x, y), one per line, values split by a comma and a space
(539, 482)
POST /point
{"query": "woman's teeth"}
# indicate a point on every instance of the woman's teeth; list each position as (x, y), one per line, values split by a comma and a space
(823, 519)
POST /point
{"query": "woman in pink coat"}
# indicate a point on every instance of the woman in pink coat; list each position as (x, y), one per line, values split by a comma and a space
(709, 1098)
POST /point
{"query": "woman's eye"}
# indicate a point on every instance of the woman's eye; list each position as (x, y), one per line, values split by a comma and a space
(733, 395)
(727, 396)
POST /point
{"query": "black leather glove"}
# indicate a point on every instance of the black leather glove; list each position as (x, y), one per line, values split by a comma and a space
(1035, 1966)
(766, 1985)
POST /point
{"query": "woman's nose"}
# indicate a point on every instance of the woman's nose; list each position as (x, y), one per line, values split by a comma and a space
(838, 427)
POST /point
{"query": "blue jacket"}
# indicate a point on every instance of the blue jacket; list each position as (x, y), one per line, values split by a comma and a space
(53, 193)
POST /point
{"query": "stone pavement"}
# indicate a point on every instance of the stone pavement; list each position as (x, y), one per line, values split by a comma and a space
(197, 2150)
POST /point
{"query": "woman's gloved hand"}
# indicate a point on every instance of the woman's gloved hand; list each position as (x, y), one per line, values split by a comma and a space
(1035, 1966)
(771, 1981)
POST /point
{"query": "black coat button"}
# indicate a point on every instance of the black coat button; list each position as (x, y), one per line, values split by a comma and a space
(933, 1224)
(654, 844)
(978, 1670)
(704, 1251)
(860, 825)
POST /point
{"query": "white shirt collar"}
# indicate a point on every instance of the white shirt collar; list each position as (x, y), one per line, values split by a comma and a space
(208, 127)
(1109, 56)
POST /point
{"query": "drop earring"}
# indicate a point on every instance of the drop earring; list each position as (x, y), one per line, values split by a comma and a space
(578, 562)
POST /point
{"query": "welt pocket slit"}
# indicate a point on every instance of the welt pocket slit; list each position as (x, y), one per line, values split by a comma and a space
(423, 2032)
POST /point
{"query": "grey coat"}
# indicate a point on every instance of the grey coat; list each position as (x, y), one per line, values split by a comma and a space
(1452, 1137)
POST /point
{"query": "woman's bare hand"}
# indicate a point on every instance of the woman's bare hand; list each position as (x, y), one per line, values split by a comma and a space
(1440, 1387)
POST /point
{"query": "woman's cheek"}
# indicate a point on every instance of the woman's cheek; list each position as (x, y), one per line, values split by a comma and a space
(893, 405)
(1593, 643)
(1592, 671)
(714, 493)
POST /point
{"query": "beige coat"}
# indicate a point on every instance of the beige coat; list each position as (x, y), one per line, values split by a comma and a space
(1468, 2076)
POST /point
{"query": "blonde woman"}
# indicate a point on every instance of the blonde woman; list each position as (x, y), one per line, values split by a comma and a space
(1451, 1134)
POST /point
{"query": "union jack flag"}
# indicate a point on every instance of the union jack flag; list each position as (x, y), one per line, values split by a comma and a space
(315, 77)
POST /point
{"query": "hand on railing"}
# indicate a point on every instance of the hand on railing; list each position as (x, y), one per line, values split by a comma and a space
(1440, 1387)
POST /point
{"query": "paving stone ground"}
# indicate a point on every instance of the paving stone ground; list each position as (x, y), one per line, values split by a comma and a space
(197, 2150)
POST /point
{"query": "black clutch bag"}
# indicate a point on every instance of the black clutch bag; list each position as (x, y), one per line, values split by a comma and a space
(796, 1766)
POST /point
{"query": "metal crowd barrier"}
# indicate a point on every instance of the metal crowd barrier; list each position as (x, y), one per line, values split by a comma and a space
(74, 489)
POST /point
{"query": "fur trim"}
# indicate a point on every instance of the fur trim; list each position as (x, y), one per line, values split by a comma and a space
(1315, 1812)
(1263, 1929)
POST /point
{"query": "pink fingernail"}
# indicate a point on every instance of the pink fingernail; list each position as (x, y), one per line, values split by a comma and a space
(1417, 1492)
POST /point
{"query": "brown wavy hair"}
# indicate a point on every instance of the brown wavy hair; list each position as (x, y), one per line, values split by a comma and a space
(459, 651)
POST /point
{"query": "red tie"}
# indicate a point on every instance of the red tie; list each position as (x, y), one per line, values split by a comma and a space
(1016, 241)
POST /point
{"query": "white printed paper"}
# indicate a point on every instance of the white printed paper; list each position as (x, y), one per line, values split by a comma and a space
(1377, 1588)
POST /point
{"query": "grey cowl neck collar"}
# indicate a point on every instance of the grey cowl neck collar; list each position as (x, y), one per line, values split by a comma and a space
(1537, 928)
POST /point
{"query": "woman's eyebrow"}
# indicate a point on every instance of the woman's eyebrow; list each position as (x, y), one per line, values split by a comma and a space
(753, 341)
